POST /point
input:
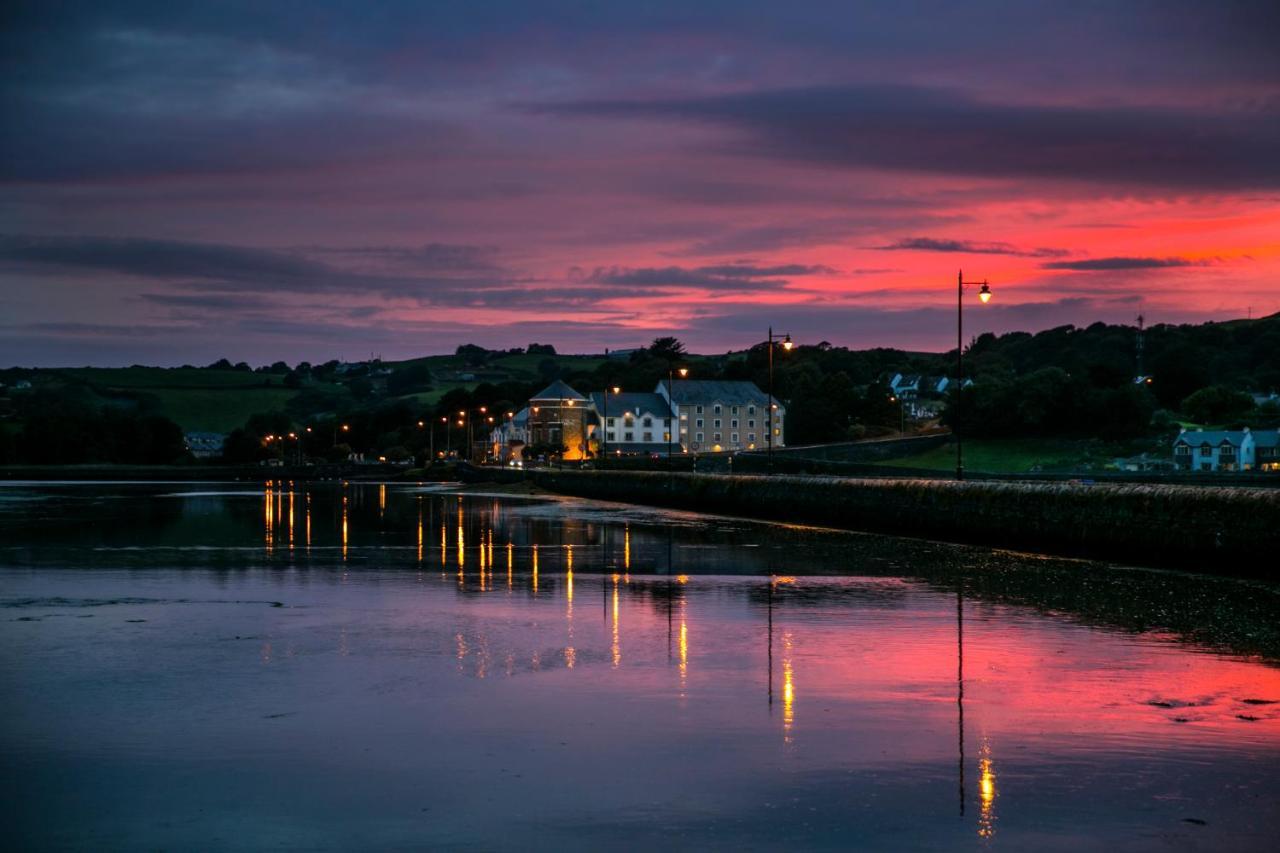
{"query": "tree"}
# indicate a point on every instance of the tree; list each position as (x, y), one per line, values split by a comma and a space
(1216, 404)
(668, 348)
(540, 349)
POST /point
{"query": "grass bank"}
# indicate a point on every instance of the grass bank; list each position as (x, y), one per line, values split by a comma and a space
(1223, 531)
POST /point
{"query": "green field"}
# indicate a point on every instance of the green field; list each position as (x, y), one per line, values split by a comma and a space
(1016, 456)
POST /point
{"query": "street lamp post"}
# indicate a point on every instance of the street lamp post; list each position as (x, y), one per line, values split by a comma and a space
(786, 345)
(984, 294)
(673, 421)
(604, 427)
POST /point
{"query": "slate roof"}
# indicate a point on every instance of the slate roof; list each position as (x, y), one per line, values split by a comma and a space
(734, 393)
(558, 390)
(1214, 437)
(1267, 438)
(651, 404)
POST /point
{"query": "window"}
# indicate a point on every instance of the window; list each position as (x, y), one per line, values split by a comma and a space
(611, 421)
(648, 421)
(777, 431)
(717, 410)
(698, 437)
(716, 423)
(1182, 450)
(698, 410)
(631, 436)
(734, 410)
(751, 437)
(716, 437)
(699, 423)
(734, 438)
(734, 423)
(684, 416)
(751, 410)
(751, 424)
(666, 437)
(648, 436)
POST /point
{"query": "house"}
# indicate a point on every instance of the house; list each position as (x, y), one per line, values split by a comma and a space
(633, 422)
(205, 445)
(1267, 450)
(922, 396)
(716, 416)
(1145, 463)
(508, 439)
(561, 417)
(1217, 450)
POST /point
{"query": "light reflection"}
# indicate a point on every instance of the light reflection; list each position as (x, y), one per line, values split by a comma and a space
(291, 513)
(615, 647)
(382, 500)
(419, 528)
(268, 509)
(684, 648)
(344, 526)
(307, 511)
(535, 569)
(986, 793)
(511, 558)
(626, 550)
(788, 689)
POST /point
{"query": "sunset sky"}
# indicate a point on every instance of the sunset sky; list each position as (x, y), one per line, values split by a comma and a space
(316, 180)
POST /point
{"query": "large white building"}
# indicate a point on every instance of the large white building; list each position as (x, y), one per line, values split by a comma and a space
(633, 423)
(1227, 450)
(716, 416)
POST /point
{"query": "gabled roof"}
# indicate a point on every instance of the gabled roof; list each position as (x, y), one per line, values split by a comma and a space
(558, 390)
(1214, 437)
(1267, 438)
(650, 404)
(733, 393)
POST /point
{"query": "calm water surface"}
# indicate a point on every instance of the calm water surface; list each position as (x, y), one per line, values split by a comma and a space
(231, 667)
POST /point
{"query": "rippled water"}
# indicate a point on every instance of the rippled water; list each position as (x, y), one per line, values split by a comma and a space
(226, 667)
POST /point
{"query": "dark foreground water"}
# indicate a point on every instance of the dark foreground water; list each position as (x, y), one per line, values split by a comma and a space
(227, 667)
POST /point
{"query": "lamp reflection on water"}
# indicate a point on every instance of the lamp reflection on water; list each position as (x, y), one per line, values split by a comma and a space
(788, 689)
(986, 793)
(615, 648)
(344, 526)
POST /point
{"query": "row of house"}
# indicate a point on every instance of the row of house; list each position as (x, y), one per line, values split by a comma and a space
(680, 416)
(922, 396)
(1227, 450)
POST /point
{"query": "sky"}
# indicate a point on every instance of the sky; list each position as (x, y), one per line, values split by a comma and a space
(313, 180)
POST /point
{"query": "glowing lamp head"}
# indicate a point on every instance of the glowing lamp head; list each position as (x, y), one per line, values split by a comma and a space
(346, 427)
(617, 389)
(684, 371)
(984, 293)
(786, 343)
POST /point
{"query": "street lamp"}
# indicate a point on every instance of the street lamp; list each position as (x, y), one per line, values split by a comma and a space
(604, 427)
(673, 421)
(786, 345)
(984, 294)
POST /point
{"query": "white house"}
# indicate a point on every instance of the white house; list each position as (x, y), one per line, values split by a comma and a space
(716, 416)
(633, 423)
(1224, 450)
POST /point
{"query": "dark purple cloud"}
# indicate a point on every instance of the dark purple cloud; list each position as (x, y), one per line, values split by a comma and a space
(970, 247)
(946, 131)
(1097, 264)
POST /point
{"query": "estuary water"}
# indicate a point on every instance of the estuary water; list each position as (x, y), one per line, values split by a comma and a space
(402, 667)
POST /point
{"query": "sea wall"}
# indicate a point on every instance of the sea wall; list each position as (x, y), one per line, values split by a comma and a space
(1226, 531)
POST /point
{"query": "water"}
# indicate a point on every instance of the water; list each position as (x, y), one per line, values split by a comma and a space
(228, 667)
